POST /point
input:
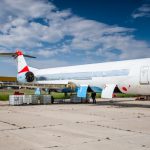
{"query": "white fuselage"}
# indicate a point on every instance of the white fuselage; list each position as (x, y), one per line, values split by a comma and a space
(131, 76)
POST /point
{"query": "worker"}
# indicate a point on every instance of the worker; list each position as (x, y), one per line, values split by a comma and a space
(52, 99)
(93, 95)
(49, 91)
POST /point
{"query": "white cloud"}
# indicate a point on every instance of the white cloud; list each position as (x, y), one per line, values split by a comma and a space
(38, 27)
(143, 11)
(27, 9)
(48, 63)
(47, 53)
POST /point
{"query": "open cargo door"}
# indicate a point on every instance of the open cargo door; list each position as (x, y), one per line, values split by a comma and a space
(82, 91)
(107, 92)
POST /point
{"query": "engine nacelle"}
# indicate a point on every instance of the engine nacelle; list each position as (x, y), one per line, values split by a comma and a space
(26, 77)
(29, 76)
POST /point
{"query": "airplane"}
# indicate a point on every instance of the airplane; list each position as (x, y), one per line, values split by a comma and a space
(129, 76)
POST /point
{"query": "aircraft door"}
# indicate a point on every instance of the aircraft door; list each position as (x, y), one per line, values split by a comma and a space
(144, 75)
(107, 92)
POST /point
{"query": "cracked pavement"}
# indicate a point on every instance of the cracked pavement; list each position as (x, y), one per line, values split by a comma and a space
(119, 124)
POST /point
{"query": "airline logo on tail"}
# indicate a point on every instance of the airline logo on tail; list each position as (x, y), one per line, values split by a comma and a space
(24, 74)
(22, 65)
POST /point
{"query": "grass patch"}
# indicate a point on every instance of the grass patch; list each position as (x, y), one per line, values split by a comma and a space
(119, 95)
(4, 94)
(60, 95)
(125, 95)
(4, 97)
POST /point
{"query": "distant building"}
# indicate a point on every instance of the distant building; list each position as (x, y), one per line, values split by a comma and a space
(5, 81)
(8, 79)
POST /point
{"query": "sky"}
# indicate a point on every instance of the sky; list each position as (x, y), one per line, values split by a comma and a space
(72, 32)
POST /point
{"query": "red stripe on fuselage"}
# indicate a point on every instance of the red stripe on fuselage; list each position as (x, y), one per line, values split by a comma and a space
(25, 69)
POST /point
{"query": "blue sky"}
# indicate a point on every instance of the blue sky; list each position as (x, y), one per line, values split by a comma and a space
(69, 32)
(111, 12)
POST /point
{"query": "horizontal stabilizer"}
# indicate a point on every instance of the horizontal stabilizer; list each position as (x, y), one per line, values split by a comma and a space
(15, 55)
(29, 56)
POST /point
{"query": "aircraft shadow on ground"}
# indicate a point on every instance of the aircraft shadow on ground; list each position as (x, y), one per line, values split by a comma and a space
(118, 103)
(122, 103)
